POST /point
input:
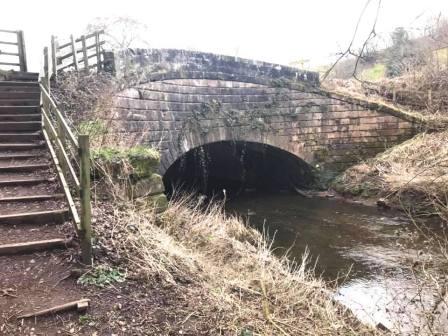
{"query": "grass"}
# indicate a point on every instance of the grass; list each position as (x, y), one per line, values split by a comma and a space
(256, 292)
(375, 73)
(412, 174)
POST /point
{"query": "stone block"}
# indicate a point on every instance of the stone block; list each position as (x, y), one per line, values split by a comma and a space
(147, 186)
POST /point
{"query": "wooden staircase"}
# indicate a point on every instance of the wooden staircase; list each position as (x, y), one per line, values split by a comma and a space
(33, 208)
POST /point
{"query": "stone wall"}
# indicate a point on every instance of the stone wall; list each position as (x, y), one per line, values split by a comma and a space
(147, 65)
(327, 131)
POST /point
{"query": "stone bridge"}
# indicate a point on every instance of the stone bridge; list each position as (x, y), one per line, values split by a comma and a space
(182, 100)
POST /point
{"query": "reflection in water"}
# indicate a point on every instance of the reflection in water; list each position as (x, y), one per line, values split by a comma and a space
(360, 246)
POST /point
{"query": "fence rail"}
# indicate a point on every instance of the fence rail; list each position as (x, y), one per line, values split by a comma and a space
(15, 50)
(71, 155)
(83, 53)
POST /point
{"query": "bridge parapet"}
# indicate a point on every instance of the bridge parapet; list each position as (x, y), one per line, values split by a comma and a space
(163, 64)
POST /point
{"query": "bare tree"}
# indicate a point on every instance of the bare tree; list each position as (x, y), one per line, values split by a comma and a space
(350, 49)
(121, 32)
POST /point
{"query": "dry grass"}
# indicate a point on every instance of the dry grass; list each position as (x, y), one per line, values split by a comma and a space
(412, 172)
(259, 293)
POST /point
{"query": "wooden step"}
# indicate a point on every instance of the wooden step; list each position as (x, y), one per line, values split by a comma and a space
(19, 88)
(20, 84)
(19, 95)
(21, 76)
(24, 181)
(34, 246)
(20, 126)
(20, 117)
(31, 198)
(20, 156)
(19, 102)
(21, 146)
(19, 109)
(20, 137)
(23, 167)
(38, 217)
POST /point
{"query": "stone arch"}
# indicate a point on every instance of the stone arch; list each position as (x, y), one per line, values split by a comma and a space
(193, 140)
(238, 165)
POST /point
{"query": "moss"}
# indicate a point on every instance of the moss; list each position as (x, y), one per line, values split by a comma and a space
(144, 160)
(107, 160)
(321, 154)
(107, 154)
(280, 83)
(160, 202)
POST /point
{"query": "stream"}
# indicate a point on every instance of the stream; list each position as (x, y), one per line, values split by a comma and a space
(368, 252)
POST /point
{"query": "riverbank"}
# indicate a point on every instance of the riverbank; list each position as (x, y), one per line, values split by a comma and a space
(229, 280)
(189, 271)
(411, 176)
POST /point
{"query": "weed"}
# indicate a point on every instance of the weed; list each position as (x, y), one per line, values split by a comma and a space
(85, 319)
(102, 276)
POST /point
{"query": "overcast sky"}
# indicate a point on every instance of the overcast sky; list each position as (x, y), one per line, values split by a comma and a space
(280, 31)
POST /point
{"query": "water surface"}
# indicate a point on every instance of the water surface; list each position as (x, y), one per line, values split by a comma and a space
(366, 250)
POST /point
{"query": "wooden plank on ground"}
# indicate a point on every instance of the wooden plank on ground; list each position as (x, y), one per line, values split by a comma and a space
(80, 306)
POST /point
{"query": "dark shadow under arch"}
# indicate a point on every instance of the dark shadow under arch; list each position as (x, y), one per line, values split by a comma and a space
(238, 166)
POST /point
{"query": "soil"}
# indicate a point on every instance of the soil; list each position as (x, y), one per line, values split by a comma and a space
(134, 307)
(137, 306)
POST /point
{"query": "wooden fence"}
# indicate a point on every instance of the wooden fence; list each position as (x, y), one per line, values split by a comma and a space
(13, 49)
(83, 53)
(71, 155)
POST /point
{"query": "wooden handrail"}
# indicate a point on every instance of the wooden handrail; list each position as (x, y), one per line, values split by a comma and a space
(65, 146)
(8, 43)
(8, 53)
(7, 63)
(21, 51)
(60, 138)
(90, 35)
(60, 117)
(81, 50)
(9, 31)
(78, 51)
(54, 136)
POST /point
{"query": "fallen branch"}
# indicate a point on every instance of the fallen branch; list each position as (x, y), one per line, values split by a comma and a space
(80, 306)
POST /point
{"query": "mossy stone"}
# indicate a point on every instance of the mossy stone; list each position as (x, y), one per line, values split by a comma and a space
(144, 160)
(147, 186)
(160, 202)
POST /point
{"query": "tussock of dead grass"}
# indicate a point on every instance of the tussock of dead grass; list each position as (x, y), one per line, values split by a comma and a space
(233, 263)
(415, 170)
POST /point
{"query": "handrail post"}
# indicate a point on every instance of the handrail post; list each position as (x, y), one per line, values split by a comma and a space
(22, 51)
(86, 233)
(84, 53)
(46, 70)
(54, 48)
(98, 51)
(75, 56)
